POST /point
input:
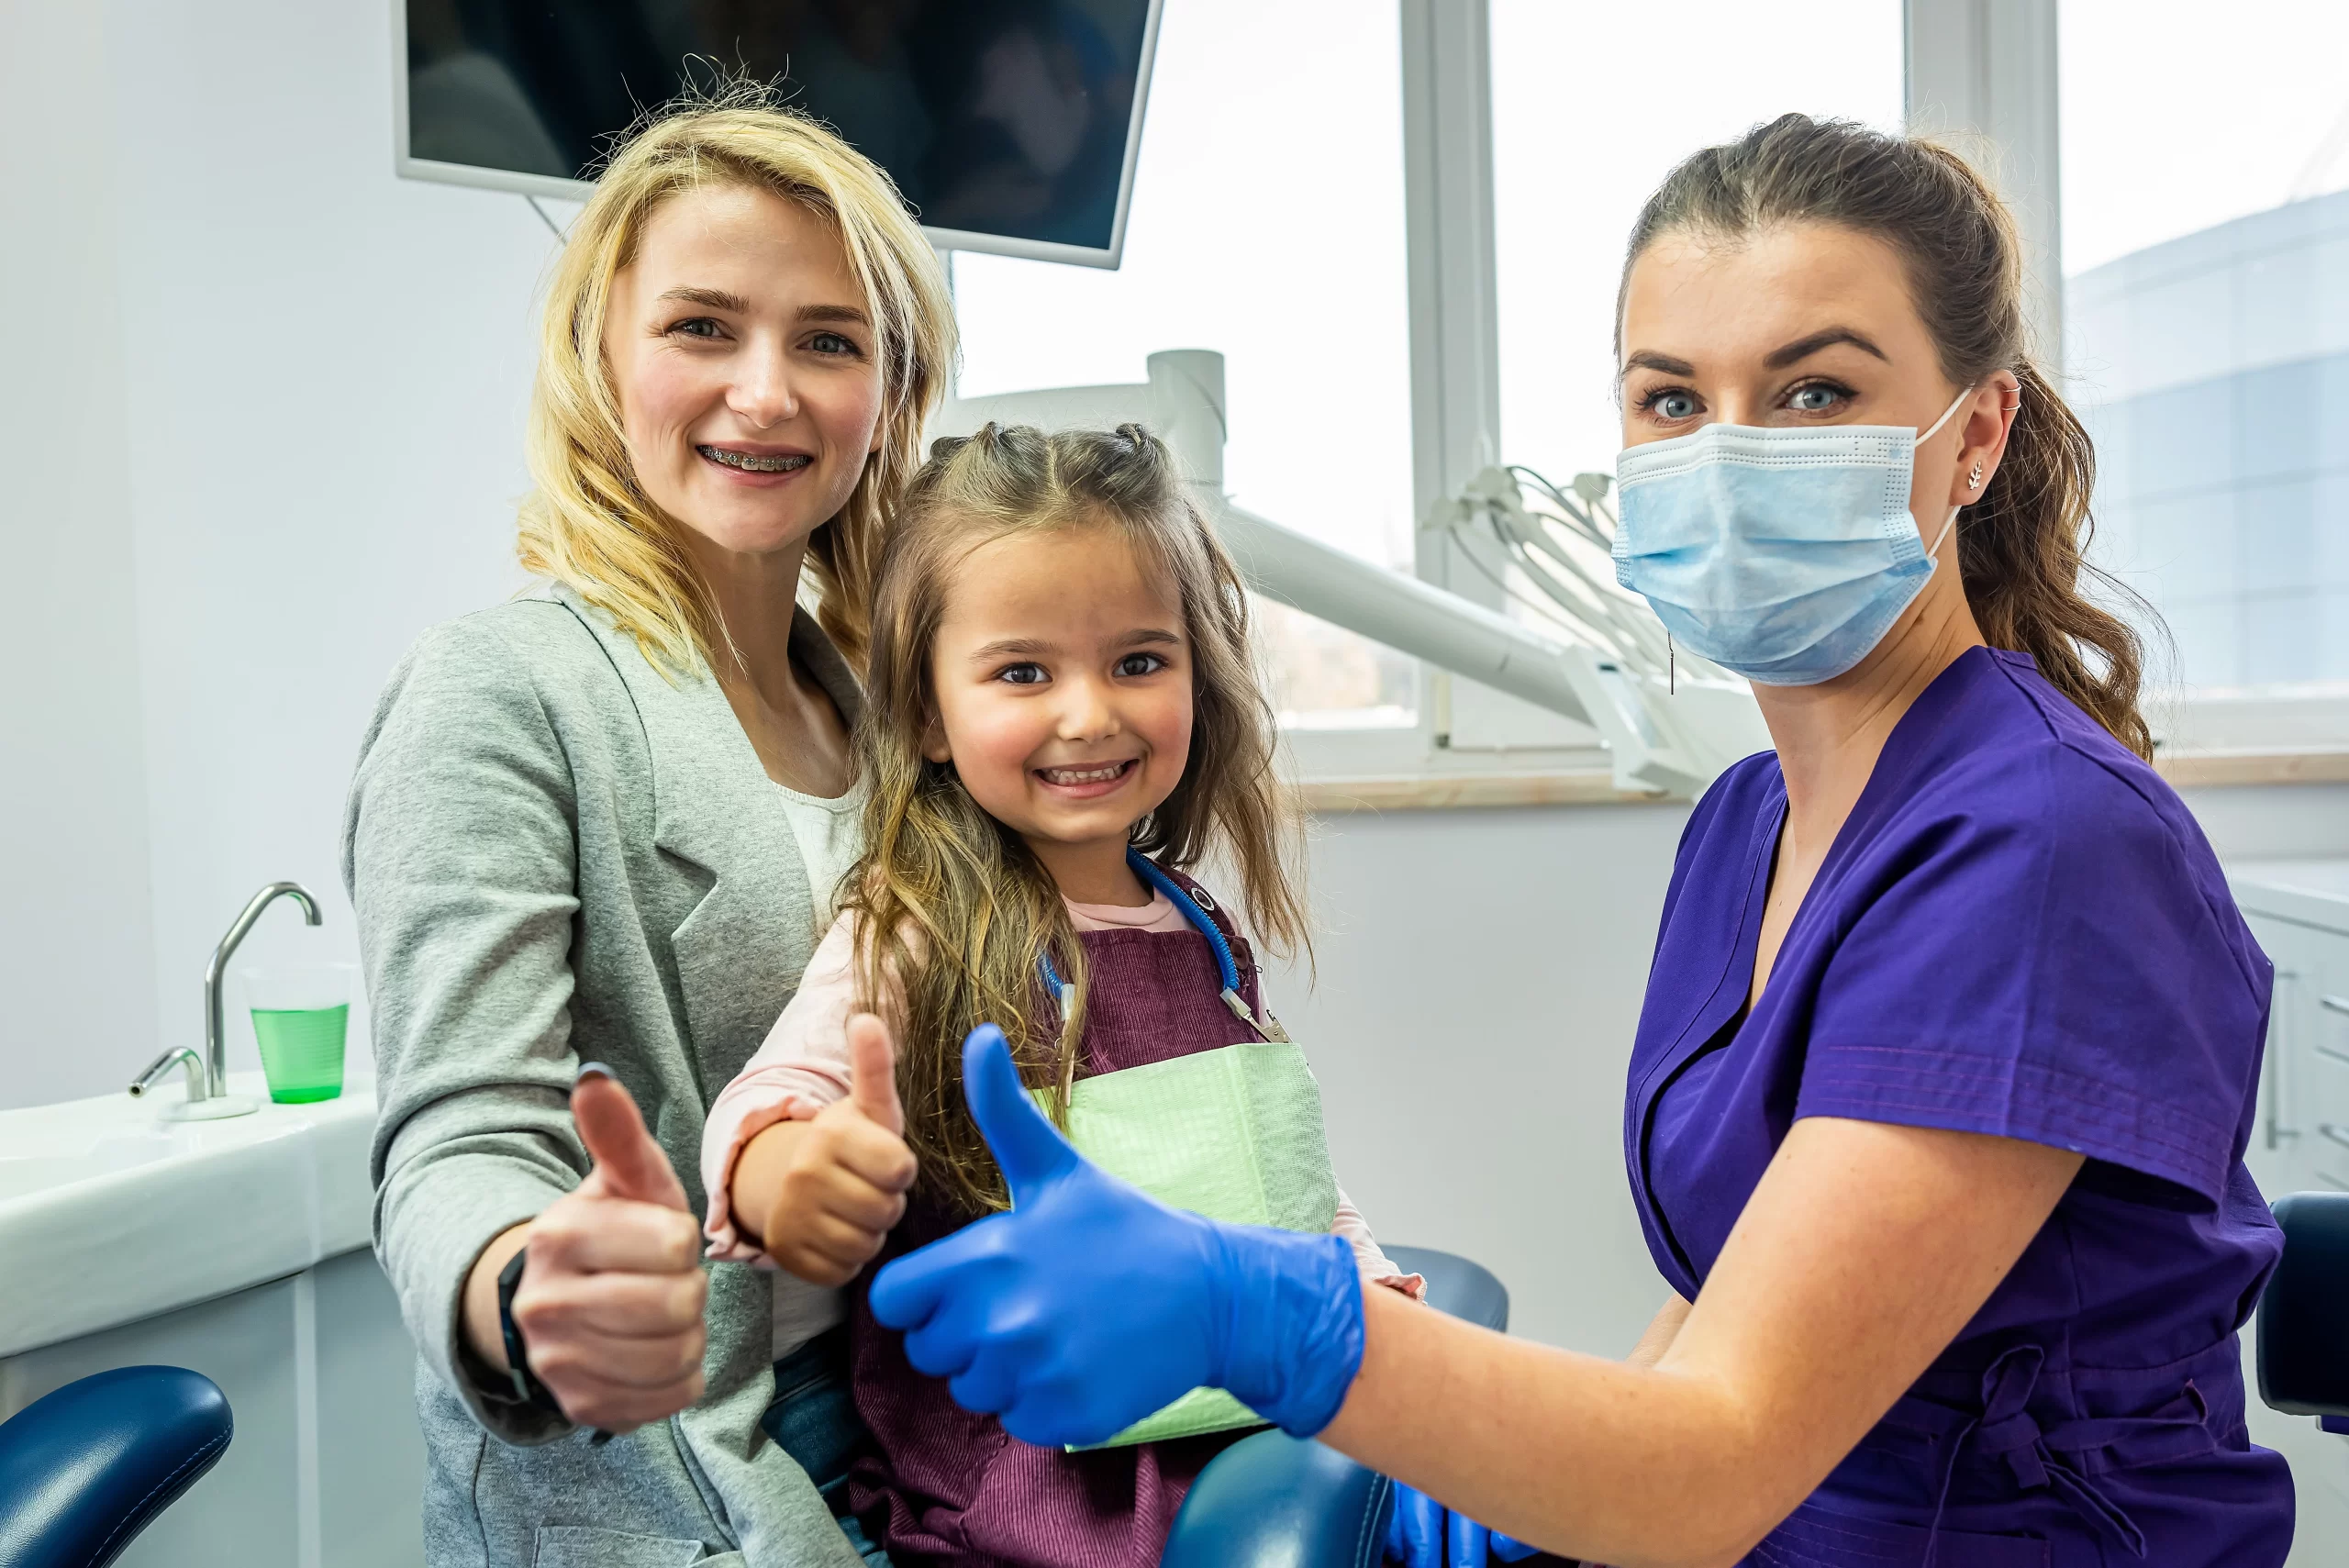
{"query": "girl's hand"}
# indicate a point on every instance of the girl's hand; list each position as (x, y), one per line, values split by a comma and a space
(822, 1195)
(610, 1303)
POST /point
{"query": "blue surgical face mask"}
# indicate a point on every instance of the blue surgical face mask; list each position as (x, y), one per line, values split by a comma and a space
(1782, 554)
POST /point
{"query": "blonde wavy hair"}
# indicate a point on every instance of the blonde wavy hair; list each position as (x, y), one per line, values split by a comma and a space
(589, 523)
(952, 910)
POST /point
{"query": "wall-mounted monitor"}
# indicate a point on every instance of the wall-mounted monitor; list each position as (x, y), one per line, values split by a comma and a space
(1012, 126)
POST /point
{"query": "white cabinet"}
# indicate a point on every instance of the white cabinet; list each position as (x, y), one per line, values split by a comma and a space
(327, 1467)
(2300, 912)
(237, 1248)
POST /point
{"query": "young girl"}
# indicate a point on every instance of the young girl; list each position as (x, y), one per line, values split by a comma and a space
(1063, 720)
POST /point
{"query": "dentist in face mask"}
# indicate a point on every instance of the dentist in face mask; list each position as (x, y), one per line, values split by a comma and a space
(1936, 1109)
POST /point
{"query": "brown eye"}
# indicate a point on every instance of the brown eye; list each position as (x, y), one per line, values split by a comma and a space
(1138, 664)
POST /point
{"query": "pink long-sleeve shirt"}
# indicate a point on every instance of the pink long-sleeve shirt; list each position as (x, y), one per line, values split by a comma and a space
(803, 1066)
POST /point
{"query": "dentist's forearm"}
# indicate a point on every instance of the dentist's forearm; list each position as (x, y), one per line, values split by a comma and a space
(1661, 1333)
(1582, 1456)
(1864, 1251)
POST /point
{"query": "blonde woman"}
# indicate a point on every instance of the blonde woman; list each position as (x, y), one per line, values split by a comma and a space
(595, 834)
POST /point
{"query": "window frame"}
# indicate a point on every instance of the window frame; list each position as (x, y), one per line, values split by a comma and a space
(1982, 70)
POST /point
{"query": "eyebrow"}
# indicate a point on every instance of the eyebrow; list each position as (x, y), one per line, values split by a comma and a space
(847, 313)
(1803, 348)
(1006, 647)
(716, 299)
(1031, 647)
(1663, 365)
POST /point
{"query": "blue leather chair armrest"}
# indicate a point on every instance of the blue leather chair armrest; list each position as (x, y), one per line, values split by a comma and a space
(1457, 1285)
(2304, 1312)
(84, 1469)
(1275, 1501)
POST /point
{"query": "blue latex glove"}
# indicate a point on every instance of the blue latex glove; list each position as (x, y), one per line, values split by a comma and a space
(1423, 1533)
(1091, 1303)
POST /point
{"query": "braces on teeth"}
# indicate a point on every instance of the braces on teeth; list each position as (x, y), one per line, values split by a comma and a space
(781, 464)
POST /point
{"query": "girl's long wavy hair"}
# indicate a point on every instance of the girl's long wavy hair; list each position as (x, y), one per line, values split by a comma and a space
(2023, 548)
(589, 523)
(952, 910)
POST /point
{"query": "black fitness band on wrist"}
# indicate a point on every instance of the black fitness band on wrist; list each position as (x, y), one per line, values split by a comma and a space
(526, 1387)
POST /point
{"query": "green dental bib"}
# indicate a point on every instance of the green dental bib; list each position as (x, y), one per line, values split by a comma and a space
(1234, 1134)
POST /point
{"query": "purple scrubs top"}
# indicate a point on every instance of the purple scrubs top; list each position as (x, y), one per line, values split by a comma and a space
(2019, 931)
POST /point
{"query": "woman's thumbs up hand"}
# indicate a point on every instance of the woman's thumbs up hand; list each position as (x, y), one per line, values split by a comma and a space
(610, 1302)
(822, 1195)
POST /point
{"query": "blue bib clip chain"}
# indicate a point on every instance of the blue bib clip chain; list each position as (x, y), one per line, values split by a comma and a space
(1194, 910)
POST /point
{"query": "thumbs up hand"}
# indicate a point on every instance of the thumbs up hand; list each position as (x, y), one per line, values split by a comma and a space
(1091, 1303)
(610, 1302)
(822, 1195)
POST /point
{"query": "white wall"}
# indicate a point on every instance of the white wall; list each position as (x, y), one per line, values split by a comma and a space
(75, 920)
(260, 418)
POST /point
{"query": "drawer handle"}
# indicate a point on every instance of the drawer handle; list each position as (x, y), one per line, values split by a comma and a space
(2333, 1003)
(2334, 1133)
(2334, 1052)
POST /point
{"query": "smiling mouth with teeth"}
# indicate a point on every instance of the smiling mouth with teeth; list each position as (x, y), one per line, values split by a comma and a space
(1100, 775)
(782, 463)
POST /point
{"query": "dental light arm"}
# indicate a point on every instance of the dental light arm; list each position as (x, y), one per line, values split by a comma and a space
(1666, 731)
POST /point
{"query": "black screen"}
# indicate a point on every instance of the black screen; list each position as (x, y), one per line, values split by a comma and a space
(998, 116)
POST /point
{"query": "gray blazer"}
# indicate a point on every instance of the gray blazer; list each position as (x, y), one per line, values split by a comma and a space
(556, 856)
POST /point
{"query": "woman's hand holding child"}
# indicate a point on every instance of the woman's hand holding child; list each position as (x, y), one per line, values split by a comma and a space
(822, 1194)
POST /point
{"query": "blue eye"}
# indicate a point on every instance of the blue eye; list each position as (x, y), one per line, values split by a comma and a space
(1672, 405)
(1818, 397)
(696, 327)
(1137, 664)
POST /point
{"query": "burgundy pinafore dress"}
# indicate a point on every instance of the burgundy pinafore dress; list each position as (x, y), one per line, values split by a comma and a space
(947, 1486)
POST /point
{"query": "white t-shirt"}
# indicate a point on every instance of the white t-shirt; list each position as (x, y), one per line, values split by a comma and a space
(826, 833)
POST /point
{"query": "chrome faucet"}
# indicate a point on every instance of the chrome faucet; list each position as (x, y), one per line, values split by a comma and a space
(207, 1075)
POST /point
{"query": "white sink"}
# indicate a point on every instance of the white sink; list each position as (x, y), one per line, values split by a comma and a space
(24, 1174)
(108, 1214)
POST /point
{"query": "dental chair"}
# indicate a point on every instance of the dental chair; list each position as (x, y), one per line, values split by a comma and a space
(2304, 1312)
(1275, 1501)
(84, 1469)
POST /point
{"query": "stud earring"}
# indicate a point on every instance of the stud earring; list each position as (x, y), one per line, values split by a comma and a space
(1974, 481)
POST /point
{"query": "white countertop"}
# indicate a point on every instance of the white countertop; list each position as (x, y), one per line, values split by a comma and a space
(2313, 892)
(108, 1214)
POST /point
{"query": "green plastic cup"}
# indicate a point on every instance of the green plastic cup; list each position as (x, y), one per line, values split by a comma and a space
(301, 1014)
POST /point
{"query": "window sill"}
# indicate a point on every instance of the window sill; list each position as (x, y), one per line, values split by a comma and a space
(2219, 768)
(1467, 791)
(1596, 786)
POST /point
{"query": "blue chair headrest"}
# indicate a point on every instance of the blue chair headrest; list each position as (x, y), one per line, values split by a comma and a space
(2304, 1312)
(84, 1469)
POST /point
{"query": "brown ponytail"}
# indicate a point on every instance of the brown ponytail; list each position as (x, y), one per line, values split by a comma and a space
(2022, 547)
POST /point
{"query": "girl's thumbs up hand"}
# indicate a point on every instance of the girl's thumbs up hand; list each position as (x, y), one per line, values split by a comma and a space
(610, 1302)
(822, 1195)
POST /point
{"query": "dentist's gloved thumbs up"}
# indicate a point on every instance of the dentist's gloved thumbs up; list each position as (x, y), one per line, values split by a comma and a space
(1029, 1150)
(1091, 1304)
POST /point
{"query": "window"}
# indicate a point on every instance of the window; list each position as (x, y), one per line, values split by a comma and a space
(1592, 107)
(1267, 224)
(2206, 247)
